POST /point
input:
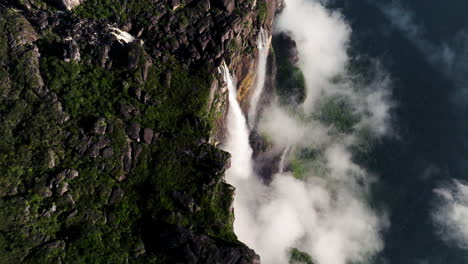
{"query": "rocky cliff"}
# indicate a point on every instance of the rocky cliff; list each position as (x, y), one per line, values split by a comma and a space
(109, 116)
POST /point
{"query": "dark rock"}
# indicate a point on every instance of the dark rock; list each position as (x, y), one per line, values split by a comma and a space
(134, 55)
(203, 24)
(133, 131)
(128, 110)
(136, 151)
(103, 54)
(175, 4)
(205, 5)
(110, 217)
(145, 98)
(95, 149)
(155, 138)
(115, 196)
(108, 152)
(71, 51)
(287, 47)
(186, 246)
(136, 91)
(55, 244)
(227, 5)
(127, 158)
(184, 200)
(100, 126)
(183, 41)
(148, 135)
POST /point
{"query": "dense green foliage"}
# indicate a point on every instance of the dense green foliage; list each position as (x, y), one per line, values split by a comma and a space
(38, 142)
(337, 112)
(290, 81)
(262, 10)
(299, 257)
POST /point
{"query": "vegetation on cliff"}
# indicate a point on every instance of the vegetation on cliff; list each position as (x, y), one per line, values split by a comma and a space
(105, 146)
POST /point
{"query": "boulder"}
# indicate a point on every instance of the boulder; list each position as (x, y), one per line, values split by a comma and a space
(115, 196)
(136, 151)
(100, 126)
(148, 135)
(70, 4)
(227, 5)
(133, 131)
(94, 150)
(108, 152)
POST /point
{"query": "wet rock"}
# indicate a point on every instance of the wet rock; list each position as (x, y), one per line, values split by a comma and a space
(133, 131)
(148, 135)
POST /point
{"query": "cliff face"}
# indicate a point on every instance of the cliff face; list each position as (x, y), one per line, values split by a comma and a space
(109, 112)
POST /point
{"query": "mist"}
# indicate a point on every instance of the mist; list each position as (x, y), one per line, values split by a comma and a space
(325, 209)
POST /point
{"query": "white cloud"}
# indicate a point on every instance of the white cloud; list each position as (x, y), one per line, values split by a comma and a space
(451, 213)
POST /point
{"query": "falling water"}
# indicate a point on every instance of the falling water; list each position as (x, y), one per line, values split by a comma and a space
(282, 160)
(263, 42)
(237, 142)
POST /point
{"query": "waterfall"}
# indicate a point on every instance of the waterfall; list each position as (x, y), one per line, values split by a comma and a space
(237, 142)
(283, 158)
(263, 43)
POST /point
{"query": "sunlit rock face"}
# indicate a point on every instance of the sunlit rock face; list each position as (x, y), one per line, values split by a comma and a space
(70, 4)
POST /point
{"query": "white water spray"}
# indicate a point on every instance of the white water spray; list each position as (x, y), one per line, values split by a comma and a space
(237, 142)
(263, 43)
